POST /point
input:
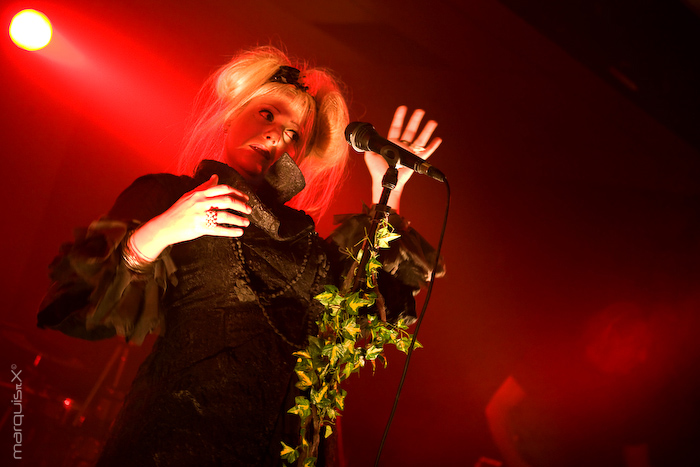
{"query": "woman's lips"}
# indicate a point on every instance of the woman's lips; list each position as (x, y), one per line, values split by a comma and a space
(263, 151)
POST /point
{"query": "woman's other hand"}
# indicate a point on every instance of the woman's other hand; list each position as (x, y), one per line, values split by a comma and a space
(421, 145)
(199, 212)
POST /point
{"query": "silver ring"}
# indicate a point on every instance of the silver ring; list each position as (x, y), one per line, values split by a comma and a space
(407, 143)
(418, 149)
(211, 218)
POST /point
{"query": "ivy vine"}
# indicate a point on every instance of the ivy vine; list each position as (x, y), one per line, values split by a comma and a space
(347, 339)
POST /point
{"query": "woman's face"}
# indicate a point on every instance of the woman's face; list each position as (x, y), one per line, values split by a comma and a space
(264, 130)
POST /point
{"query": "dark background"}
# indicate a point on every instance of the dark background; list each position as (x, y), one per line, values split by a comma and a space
(570, 140)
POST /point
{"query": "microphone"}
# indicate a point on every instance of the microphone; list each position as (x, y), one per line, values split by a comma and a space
(363, 137)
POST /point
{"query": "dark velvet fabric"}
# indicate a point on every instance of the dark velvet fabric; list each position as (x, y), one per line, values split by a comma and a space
(217, 385)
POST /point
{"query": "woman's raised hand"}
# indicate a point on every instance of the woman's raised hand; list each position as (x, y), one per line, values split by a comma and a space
(421, 145)
(199, 212)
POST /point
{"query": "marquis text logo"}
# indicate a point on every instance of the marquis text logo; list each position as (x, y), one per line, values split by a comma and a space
(18, 416)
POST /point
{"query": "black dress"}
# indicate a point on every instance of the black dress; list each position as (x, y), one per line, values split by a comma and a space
(216, 388)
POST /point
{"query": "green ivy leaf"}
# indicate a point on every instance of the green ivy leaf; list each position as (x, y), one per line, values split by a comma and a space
(372, 352)
(373, 266)
(302, 353)
(333, 351)
(384, 237)
(350, 349)
(356, 301)
(331, 413)
(352, 329)
(317, 396)
(404, 343)
(288, 453)
(331, 296)
(306, 379)
(348, 370)
(340, 399)
(401, 324)
(302, 409)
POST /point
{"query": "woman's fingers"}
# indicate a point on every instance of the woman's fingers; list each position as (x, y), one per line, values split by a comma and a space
(222, 231)
(219, 223)
(228, 219)
(397, 122)
(212, 189)
(217, 220)
(430, 148)
(226, 202)
(210, 195)
(222, 190)
(422, 140)
(209, 209)
(412, 127)
(420, 145)
(213, 181)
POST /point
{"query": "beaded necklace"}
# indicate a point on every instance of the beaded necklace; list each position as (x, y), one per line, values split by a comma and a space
(259, 297)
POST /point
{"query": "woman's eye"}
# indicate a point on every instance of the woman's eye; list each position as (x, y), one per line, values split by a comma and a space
(267, 115)
(292, 135)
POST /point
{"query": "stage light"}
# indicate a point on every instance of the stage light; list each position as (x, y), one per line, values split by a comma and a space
(30, 30)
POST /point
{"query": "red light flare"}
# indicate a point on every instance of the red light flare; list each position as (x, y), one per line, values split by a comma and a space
(115, 82)
(30, 30)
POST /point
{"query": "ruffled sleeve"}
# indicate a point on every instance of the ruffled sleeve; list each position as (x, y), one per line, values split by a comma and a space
(93, 294)
(407, 263)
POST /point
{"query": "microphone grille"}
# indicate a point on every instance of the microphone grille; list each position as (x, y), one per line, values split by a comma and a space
(358, 134)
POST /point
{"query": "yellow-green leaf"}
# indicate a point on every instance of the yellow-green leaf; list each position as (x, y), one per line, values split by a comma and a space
(350, 326)
(304, 380)
(288, 453)
(383, 242)
(302, 353)
(286, 449)
(317, 396)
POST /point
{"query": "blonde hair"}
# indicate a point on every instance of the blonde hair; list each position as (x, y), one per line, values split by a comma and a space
(322, 153)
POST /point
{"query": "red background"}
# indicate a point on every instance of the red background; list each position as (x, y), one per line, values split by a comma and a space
(565, 193)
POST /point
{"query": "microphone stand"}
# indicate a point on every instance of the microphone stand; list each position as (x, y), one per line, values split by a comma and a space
(381, 212)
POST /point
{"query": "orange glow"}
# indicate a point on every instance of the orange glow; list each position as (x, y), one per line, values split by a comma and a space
(114, 82)
(30, 30)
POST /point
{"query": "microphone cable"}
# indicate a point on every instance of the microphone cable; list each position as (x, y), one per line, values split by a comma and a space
(418, 324)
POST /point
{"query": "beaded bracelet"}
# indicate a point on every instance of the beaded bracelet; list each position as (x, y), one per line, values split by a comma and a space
(133, 258)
